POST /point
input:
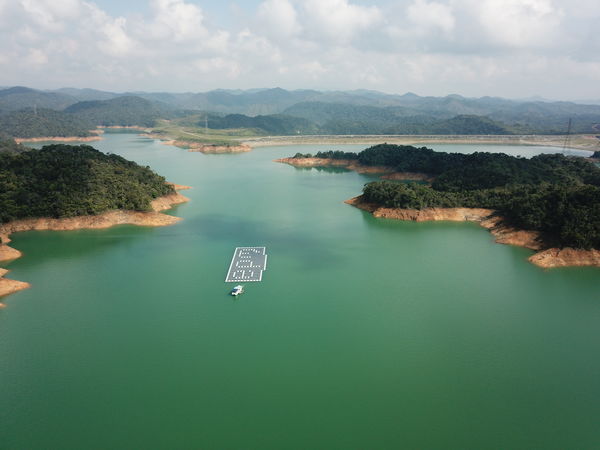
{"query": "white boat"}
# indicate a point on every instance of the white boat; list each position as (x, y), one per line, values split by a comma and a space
(237, 290)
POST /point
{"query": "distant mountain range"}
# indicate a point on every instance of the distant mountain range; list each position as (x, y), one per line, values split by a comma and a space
(279, 111)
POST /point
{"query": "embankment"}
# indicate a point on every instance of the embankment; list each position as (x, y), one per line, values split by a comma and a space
(578, 141)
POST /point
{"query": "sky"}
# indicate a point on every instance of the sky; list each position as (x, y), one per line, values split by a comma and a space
(504, 48)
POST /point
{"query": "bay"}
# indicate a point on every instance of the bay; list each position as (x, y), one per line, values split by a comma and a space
(364, 333)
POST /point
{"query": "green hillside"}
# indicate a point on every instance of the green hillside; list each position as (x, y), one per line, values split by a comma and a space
(336, 119)
(16, 98)
(120, 111)
(274, 124)
(556, 195)
(29, 123)
(66, 181)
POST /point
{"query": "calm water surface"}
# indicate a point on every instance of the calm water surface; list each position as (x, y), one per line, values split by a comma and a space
(364, 334)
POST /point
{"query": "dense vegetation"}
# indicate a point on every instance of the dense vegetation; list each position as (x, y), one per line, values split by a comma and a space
(451, 117)
(329, 118)
(8, 145)
(411, 114)
(31, 123)
(120, 111)
(480, 170)
(274, 124)
(331, 154)
(556, 195)
(66, 181)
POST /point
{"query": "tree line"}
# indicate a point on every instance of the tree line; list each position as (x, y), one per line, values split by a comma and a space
(66, 181)
(8, 145)
(556, 195)
(32, 123)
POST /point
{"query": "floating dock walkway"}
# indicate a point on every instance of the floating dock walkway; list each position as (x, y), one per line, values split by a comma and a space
(247, 264)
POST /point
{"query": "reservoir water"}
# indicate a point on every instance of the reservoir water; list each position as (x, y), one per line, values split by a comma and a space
(363, 334)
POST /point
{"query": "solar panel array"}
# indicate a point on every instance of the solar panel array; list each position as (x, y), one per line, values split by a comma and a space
(247, 264)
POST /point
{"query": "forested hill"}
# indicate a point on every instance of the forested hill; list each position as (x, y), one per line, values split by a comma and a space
(30, 123)
(464, 116)
(556, 195)
(276, 124)
(336, 118)
(66, 181)
(122, 111)
(361, 120)
(19, 97)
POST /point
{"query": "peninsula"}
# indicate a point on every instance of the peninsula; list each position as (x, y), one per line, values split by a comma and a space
(63, 187)
(548, 203)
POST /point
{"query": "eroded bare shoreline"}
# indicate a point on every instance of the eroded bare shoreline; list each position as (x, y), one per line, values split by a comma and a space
(60, 139)
(545, 257)
(105, 220)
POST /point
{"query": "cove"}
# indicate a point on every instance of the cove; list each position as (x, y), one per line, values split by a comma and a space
(364, 333)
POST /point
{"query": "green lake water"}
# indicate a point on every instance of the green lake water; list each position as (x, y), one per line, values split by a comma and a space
(364, 333)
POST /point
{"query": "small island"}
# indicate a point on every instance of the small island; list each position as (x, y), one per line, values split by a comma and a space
(64, 187)
(193, 146)
(548, 203)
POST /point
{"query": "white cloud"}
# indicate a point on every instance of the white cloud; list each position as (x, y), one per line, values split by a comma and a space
(279, 17)
(313, 69)
(116, 42)
(473, 47)
(36, 57)
(431, 15)
(177, 20)
(339, 20)
(51, 14)
(519, 23)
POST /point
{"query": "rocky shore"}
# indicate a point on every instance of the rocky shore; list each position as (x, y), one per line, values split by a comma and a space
(545, 257)
(108, 219)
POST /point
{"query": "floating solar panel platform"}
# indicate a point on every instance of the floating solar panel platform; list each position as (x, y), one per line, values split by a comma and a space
(247, 264)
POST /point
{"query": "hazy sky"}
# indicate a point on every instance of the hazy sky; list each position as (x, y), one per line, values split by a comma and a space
(509, 48)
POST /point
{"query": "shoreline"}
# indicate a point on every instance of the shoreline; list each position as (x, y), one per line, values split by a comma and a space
(59, 139)
(388, 173)
(578, 142)
(121, 127)
(544, 257)
(154, 218)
